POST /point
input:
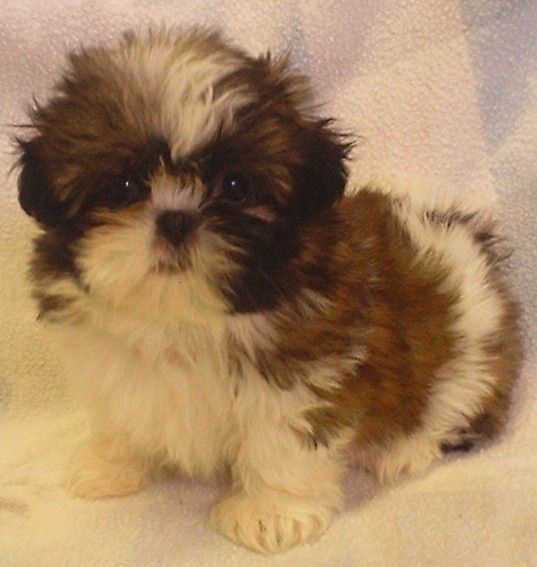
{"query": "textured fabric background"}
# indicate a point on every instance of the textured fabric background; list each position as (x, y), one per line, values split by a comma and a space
(444, 89)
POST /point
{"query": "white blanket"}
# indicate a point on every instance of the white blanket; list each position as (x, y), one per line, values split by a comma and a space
(443, 89)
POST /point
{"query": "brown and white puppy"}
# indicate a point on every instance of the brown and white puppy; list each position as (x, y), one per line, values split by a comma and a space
(223, 305)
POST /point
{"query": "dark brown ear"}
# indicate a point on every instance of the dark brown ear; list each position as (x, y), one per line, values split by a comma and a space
(321, 180)
(36, 195)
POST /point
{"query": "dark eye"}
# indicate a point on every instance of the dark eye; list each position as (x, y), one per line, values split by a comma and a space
(128, 190)
(235, 188)
(135, 189)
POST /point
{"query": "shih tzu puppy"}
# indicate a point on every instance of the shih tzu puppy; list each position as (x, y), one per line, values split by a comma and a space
(222, 305)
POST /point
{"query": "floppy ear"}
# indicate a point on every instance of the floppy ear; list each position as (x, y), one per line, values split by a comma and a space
(36, 195)
(321, 179)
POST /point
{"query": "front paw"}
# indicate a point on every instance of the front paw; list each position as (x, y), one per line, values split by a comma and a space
(270, 523)
(94, 475)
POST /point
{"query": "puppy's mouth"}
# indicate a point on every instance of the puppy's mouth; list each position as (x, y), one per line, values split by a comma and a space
(173, 241)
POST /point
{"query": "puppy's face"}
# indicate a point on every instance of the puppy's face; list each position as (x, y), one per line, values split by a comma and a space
(178, 173)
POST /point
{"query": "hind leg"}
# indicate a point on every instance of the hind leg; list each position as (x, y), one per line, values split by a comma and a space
(412, 454)
(408, 455)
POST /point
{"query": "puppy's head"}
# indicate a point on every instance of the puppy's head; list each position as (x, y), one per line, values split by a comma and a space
(184, 169)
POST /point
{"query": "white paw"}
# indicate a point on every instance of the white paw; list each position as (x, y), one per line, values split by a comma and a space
(271, 523)
(93, 476)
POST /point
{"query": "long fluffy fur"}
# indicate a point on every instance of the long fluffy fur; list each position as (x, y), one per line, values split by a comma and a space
(278, 333)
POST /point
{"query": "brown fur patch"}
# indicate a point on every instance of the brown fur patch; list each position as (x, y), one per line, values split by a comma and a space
(380, 298)
(54, 256)
(50, 305)
(376, 293)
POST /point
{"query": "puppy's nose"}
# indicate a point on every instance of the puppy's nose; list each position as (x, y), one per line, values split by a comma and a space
(174, 225)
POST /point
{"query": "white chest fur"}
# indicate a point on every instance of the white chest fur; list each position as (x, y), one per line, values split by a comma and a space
(175, 394)
(168, 393)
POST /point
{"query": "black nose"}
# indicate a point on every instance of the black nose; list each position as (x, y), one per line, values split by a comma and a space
(174, 225)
